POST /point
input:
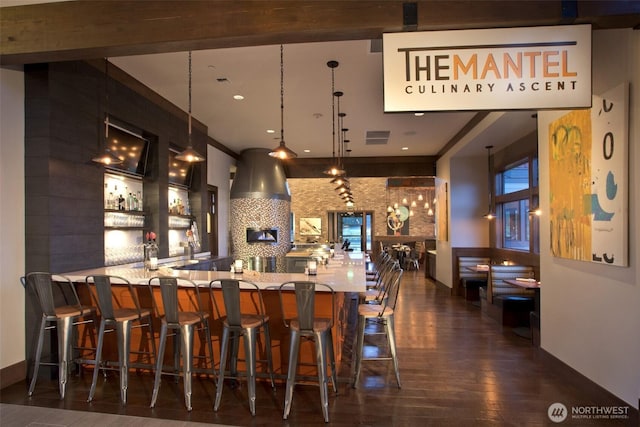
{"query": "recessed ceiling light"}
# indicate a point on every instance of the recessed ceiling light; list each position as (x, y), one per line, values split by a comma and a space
(238, 97)
(418, 114)
(271, 131)
(307, 151)
(405, 148)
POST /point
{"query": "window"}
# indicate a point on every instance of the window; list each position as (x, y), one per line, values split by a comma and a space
(516, 199)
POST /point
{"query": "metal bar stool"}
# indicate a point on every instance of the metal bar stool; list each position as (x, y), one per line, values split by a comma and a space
(305, 325)
(383, 314)
(184, 323)
(114, 314)
(376, 292)
(61, 317)
(236, 323)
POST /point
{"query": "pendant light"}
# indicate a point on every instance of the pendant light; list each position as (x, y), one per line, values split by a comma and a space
(281, 151)
(106, 157)
(334, 168)
(489, 214)
(190, 155)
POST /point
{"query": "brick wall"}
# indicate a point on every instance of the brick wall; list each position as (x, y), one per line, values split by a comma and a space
(314, 197)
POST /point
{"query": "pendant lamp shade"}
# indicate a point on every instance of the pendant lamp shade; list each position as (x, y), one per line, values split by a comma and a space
(105, 156)
(190, 154)
(281, 151)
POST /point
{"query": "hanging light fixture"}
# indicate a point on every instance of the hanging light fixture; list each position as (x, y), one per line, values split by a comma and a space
(489, 214)
(333, 169)
(190, 155)
(281, 151)
(106, 157)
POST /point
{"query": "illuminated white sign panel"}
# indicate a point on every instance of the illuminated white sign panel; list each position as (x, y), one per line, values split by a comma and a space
(497, 69)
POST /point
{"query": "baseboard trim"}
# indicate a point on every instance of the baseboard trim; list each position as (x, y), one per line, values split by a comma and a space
(13, 374)
(556, 364)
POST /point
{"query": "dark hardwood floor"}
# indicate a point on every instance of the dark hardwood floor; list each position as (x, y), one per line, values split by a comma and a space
(458, 368)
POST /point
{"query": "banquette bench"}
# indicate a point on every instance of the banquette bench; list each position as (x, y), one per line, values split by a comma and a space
(508, 304)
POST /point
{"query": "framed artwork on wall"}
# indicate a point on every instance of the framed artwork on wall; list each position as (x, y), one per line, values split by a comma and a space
(589, 175)
(310, 226)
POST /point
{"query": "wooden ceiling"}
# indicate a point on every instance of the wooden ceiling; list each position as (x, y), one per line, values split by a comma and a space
(74, 30)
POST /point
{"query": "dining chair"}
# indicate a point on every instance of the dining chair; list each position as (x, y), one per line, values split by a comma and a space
(184, 322)
(305, 325)
(241, 317)
(381, 314)
(114, 296)
(61, 311)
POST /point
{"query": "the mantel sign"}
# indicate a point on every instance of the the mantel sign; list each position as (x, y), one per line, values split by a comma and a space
(497, 69)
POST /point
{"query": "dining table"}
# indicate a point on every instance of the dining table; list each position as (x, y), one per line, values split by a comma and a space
(528, 283)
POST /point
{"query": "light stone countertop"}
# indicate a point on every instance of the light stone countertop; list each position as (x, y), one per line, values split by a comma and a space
(344, 273)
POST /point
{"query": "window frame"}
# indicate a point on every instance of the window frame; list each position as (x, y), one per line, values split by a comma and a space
(531, 194)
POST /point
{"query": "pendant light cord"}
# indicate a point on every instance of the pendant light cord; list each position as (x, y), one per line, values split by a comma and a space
(333, 111)
(106, 102)
(281, 93)
(189, 142)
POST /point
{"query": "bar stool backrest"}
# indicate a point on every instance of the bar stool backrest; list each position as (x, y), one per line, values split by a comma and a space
(305, 294)
(231, 296)
(305, 301)
(392, 289)
(105, 297)
(169, 293)
(42, 283)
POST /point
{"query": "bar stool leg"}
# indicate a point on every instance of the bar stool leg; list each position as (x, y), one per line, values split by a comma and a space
(321, 351)
(391, 336)
(124, 336)
(36, 367)
(223, 361)
(187, 362)
(359, 350)
(159, 362)
(65, 329)
(96, 368)
(332, 361)
(207, 331)
(250, 352)
(267, 345)
(291, 375)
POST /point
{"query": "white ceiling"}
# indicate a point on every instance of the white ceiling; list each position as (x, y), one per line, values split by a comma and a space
(254, 72)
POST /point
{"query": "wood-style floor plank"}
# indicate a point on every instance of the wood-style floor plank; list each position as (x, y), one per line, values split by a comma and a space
(458, 368)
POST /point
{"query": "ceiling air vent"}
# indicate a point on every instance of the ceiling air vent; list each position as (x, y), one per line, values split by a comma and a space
(377, 137)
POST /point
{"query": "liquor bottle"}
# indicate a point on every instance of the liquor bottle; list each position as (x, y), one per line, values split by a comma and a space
(130, 202)
(120, 203)
(140, 206)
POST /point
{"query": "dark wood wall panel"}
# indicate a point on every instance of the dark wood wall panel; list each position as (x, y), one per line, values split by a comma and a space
(65, 104)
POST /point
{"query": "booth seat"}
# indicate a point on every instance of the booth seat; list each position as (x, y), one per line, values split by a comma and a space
(510, 305)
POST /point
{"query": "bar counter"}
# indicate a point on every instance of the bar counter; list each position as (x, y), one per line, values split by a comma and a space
(345, 274)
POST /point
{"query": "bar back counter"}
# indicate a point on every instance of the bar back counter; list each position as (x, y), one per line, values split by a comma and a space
(345, 273)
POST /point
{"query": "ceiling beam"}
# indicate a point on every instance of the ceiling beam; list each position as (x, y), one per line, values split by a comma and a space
(75, 30)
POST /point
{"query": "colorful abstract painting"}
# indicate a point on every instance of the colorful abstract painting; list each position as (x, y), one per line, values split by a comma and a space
(588, 174)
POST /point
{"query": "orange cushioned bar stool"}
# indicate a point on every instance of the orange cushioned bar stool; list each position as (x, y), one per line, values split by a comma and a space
(59, 316)
(114, 313)
(185, 323)
(305, 325)
(238, 321)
